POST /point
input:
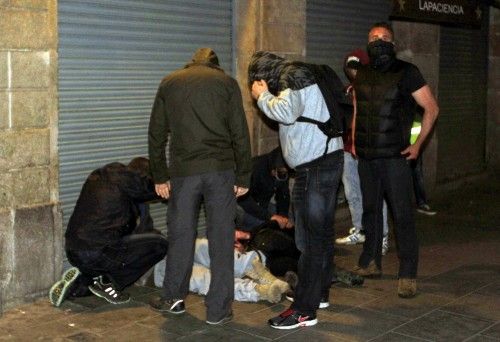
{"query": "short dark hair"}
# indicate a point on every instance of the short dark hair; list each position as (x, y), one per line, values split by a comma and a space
(385, 25)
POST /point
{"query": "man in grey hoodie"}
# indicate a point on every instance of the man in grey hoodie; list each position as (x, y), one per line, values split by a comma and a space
(286, 91)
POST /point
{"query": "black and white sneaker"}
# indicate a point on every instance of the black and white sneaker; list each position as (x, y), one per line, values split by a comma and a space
(323, 303)
(108, 292)
(291, 319)
(173, 306)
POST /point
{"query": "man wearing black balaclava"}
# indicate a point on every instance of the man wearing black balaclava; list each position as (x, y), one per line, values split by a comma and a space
(199, 109)
(387, 92)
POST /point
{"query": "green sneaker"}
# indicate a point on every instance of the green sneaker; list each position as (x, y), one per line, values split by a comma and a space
(59, 291)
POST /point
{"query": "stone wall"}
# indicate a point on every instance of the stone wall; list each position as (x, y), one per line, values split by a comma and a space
(30, 224)
(278, 26)
(493, 111)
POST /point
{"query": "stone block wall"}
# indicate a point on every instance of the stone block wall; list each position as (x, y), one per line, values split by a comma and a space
(30, 220)
(278, 26)
(493, 111)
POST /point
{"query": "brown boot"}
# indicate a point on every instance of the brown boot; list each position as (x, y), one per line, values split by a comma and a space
(407, 288)
(371, 271)
(270, 292)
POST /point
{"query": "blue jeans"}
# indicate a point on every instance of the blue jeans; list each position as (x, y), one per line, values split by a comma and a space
(352, 189)
(314, 197)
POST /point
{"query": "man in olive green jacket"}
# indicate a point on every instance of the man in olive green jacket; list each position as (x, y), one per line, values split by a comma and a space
(199, 109)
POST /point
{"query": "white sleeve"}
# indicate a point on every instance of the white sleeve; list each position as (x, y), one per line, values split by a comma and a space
(284, 108)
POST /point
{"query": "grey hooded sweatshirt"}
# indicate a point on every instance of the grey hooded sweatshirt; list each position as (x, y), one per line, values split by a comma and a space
(293, 92)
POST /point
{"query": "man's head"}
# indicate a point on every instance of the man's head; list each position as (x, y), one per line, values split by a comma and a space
(353, 61)
(205, 56)
(381, 46)
(139, 165)
(381, 30)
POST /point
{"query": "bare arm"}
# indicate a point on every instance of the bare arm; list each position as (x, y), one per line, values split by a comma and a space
(426, 100)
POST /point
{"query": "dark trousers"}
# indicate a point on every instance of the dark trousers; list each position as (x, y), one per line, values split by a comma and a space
(417, 174)
(217, 192)
(389, 178)
(123, 263)
(314, 197)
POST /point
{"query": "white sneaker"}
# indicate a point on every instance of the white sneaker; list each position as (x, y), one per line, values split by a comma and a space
(353, 238)
(385, 245)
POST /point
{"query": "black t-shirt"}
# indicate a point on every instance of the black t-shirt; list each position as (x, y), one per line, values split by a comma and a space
(412, 80)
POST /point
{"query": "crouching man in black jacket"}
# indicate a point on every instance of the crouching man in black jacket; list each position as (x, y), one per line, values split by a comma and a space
(110, 239)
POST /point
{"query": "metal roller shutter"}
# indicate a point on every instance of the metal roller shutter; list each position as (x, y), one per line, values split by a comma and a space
(461, 127)
(112, 56)
(336, 27)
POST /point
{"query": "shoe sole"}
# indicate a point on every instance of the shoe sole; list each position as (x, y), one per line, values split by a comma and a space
(68, 278)
(222, 321)
(107, 299)
(426, 213)
(349, 243)
(298, 325)
(322, 305)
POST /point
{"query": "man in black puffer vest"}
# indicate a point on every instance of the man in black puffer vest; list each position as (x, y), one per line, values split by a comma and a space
(387, 92)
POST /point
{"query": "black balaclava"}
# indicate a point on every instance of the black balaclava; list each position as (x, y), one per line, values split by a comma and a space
(381, 54)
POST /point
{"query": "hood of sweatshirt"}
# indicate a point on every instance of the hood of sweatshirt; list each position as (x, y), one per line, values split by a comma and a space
(278, 72)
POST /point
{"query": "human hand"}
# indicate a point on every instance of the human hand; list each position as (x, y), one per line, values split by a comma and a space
(240, 236)
(240, 191)
(163, 190)
(282, 220)
(258, 87)
(411, 152)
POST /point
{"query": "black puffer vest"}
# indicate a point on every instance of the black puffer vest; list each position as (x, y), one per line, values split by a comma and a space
(383, 119)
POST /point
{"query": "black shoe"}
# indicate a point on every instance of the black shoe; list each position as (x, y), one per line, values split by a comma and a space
(173, 306)
(348, 278)
(323, 302)
(222, 320)
(108, 292)
(291, 319)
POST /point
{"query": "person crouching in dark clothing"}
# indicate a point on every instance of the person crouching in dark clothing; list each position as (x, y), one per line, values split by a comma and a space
(270, 178)
(105, 243)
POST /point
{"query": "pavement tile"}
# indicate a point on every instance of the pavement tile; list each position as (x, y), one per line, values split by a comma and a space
(83, 337)
(110, 317)
(135, 332)
(395, 337)
(492, 289)
(476, 305)
(256, 324)
(37, 313)
(342, 299)
(408, 308)
(220, 334)
(443, 326)
(357, 324)
(493, 331)
(460, 281)
(310, 334)
(482, 338)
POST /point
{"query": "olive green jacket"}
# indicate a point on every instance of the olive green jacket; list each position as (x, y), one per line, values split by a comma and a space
(199, 110)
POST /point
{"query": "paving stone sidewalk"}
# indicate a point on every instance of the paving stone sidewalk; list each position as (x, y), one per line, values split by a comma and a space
(458, 300)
